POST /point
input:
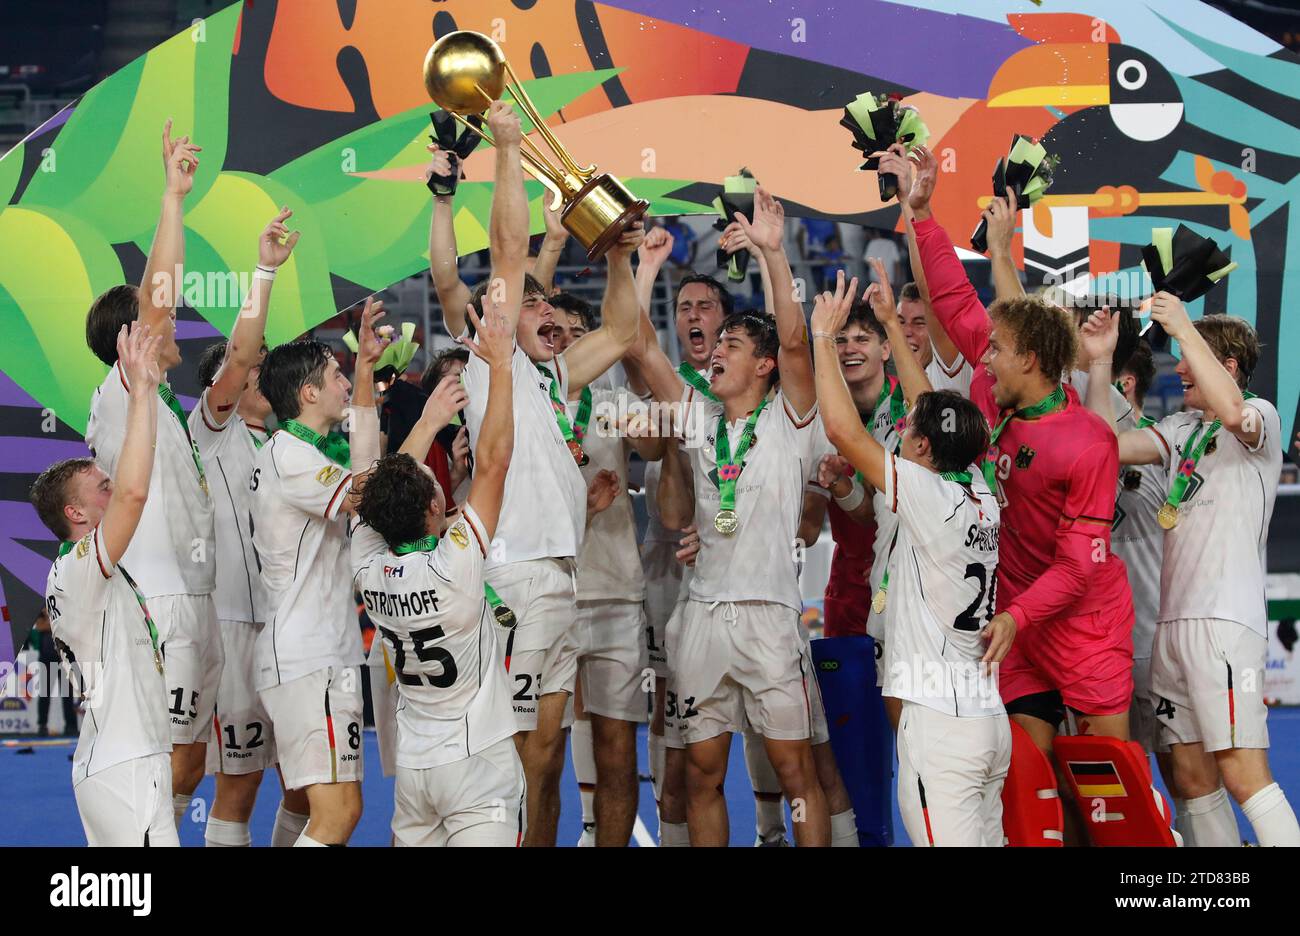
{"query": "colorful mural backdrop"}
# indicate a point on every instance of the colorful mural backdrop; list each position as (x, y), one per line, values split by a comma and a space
(1162, 111)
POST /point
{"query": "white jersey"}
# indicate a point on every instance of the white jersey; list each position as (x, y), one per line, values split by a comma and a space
(942, 580)
(103, 637)
(544, 512)
(1214, 558)
(956, 378)
(884, 430)
(173, 550)
(228, 453)
(302, 541)
(757, 562)
(609, 567)
(429, 607)
(1137, 538)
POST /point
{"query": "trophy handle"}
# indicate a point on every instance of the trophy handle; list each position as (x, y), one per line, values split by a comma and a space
(526, 105)
(536, 164)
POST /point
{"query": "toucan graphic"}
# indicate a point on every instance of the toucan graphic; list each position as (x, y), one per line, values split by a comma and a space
(1125, 120)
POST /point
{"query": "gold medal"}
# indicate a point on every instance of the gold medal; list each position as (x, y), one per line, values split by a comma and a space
(878, 602)
(726, 522)
(203, 483)
(1167, 516)
(505, 617)
(578, 454)
(158, 662)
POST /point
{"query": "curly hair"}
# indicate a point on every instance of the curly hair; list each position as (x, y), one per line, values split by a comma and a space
(393, 498)
(1231, 337)
(1041, 328)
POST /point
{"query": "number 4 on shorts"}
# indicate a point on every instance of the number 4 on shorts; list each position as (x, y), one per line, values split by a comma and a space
(1165, 709)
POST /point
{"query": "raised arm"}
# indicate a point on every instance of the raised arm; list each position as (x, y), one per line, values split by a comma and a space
(839, 415)
(952, 297)
(793, 359)
(508, 226)
(137, 354)
(446, 400)
(1001, 216)
(1098, 337)
(1218, 387)
(676, 490)
(494, 343)
(620, 316)
(548, 257)
(652, 254)
(244, 350)
(161, 285)
(880, 296)
(453, 294)
(363, 423)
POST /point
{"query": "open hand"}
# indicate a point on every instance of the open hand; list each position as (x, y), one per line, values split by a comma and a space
(447, 399)
(494, 339)
(276, 242)
(137, 353)
(180, 160)
(601, 492)
(369, 343)
(831, 310)
(1099, 335)
(767, 230)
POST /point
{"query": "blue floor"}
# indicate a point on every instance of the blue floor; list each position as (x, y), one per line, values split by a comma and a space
(38, 807)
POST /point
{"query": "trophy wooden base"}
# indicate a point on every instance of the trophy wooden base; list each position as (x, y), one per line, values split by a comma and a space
(600, 212)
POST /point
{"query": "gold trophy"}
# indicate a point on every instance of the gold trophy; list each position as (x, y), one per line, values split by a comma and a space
(464, 73)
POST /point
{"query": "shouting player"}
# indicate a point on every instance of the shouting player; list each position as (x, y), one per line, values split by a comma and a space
(103, 629)
(173, 559)
(954, 743)
(1222, 455)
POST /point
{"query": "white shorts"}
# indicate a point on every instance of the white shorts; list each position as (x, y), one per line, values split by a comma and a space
(242, 741)
(821, 733)
(317, 721)
(129, 804)
(950, 776)
(738, 661)
(672, 721)
(880, 661)
(663, 582)
(613, 661)
(192, 655)
(541, 650)
(1207, 677)
(476, 801)
(1143, 726)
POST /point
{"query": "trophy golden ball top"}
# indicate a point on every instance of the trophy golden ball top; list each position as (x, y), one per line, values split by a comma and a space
(458, 65)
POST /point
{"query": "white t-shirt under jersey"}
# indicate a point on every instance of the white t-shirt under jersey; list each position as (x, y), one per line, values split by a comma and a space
(609, 567)
(544, 512)
(103, 638)
(173, 550)
(757, 562)
(228, 453)
(1214, 558)
(942, 580)
(302, 540)
(454, 697)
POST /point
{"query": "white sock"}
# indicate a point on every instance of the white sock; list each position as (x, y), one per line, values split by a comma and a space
(221, 833)
(584, 768)
(180, 803)
(1272, 818)
(1212, 822)
(288, 826)
(844, 830)
(656, 744)
(306, 841)
(769, 812)
(1181, 825)
(674, 835)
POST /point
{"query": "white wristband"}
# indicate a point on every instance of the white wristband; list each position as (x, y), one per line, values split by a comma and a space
(262, 273)
(851, 500)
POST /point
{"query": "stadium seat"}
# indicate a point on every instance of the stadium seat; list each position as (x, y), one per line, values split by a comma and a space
(1031, 805)
(1111, 780)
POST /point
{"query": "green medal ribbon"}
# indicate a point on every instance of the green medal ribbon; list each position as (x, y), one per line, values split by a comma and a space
(572, 438)
(174, 405)
(696, 380)
(878, 600)
(989, 465)
(584, 415)
(333, 446)
(1192, 451)
(892, 390)
(504, 615)
(729, 467)
(257, 443)
(148, 618)
(1145, 421)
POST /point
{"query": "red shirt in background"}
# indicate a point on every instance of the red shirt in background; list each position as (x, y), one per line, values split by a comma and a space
(847, 601)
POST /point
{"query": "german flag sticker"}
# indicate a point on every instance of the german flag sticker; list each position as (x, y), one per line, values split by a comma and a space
(1096, 778)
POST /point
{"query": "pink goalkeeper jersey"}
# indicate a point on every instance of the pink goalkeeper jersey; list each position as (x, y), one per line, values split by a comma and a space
(1057, 474)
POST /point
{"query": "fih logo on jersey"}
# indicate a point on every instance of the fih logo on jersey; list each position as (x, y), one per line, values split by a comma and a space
(394, 571)
(75, 889)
